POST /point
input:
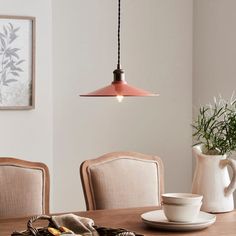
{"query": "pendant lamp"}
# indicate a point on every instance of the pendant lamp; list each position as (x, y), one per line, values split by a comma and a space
(119, 88)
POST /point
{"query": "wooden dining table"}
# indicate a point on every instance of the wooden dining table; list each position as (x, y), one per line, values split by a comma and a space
(130, 219)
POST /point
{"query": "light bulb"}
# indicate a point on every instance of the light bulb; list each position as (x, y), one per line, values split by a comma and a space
(119, 98)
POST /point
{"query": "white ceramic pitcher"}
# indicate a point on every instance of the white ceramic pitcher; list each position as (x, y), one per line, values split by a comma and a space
(211, 179)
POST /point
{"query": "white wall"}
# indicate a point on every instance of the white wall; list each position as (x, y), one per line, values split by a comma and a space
(156, 54)
(28, 134)
(214, 49)
(214, 70)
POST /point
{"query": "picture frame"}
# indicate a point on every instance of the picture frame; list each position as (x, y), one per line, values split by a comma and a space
(17, 62)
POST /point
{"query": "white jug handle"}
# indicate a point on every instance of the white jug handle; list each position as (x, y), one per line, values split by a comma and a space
(232, 186)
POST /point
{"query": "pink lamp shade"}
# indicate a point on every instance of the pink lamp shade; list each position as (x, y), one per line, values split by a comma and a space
(119, 87)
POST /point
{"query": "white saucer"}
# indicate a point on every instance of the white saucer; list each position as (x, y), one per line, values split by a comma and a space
(157, 219)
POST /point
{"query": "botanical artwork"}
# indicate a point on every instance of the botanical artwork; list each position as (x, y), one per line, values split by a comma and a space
(16, 63)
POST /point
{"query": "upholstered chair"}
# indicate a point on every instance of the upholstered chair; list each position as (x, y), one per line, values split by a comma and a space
(122, 180)
(24, 188)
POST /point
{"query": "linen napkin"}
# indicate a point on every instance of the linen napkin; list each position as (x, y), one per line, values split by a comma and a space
(85, 226)
(79, 225)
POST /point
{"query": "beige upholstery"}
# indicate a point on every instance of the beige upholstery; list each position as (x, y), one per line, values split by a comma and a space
(122, 180)
(23, 188)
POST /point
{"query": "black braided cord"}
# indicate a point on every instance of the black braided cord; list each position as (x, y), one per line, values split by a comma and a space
(119, 13)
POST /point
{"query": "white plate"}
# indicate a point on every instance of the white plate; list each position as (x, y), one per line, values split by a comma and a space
(157, 219)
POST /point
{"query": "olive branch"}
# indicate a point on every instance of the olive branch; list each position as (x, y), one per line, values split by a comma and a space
(215, 127)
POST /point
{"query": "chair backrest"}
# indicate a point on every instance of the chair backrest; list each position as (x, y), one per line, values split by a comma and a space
(24, 188)
(122, 180)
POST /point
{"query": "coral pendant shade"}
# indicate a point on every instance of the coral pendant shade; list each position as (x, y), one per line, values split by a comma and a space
(120, 88)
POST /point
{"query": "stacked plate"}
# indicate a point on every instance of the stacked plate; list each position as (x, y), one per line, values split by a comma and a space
(158, 220)
(181, 212)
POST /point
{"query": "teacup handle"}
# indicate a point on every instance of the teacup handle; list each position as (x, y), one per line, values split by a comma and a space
(232, 186)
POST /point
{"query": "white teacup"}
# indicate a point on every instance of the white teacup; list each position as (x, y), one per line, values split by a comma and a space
(181, 207)
(181, 213)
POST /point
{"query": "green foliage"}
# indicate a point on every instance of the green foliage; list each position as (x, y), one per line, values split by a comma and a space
(215, 127)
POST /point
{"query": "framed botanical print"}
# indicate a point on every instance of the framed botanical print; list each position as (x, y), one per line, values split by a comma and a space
(17, 62)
